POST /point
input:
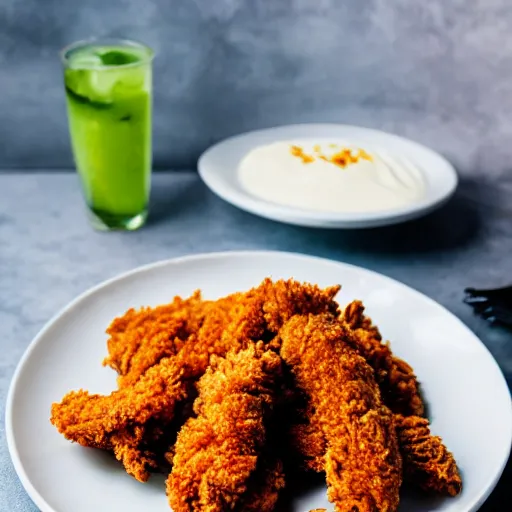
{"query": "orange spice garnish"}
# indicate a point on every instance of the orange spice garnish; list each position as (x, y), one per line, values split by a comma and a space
(299, 152)
(347, 156)
(342, 158)
(365, 156)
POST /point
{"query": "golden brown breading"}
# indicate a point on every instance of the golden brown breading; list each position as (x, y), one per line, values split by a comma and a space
(362, 462)
(427, 462)
(225, 458)
(265, 488)
(217, 453)
(396, 379)
(307, 441)
(259, 313)
(140, 339)
(283, 299)
(117, 422)
(236, 321)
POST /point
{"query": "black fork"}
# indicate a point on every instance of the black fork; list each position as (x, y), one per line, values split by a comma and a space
(495, 305)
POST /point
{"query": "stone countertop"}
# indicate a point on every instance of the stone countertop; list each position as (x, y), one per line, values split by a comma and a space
(49, 254)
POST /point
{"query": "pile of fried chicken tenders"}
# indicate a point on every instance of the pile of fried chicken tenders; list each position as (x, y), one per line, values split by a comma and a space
(224, 396)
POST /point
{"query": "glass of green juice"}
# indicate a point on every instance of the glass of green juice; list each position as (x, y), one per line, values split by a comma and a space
(108, 95)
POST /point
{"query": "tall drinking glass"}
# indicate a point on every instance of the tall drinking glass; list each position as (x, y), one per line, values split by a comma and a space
(108, 94)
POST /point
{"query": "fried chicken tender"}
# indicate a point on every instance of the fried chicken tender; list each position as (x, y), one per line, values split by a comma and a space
(121, 421)
(362, 462)
(265, 487)
(236, 321)
(427, 462)
(308, 441)
(140, 339)
(396, 379)
(156, 386)
(218, 452)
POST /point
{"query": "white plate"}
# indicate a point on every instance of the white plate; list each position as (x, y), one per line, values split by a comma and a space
(218, 167)
(469, 401)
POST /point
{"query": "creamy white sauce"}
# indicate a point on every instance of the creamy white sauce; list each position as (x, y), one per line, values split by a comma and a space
(387, 182)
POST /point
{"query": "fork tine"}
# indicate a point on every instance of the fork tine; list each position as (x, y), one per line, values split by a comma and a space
(503, 319)
(503, 314)
(487, 313)
(480, 307)
(475, 299)
(496, 314)
(494, 311)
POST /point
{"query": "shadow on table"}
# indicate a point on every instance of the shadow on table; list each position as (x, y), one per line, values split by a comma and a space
(173, 198)
(453, 226)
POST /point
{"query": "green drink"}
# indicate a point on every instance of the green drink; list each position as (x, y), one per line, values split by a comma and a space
(108, 93)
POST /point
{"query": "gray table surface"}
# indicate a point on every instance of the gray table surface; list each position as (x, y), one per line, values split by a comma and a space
(49, 254)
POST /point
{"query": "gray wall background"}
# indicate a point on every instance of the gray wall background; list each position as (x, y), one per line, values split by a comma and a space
(439, 72)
